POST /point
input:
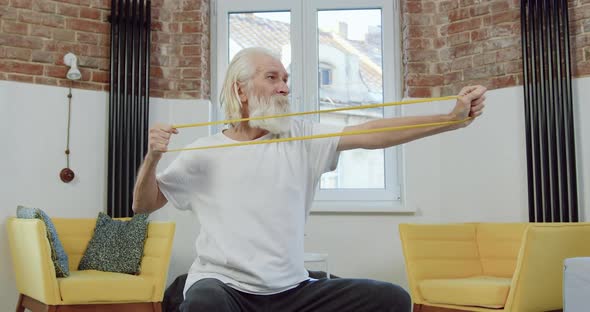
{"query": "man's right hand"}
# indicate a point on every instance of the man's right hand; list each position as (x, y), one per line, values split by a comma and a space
(159, 139)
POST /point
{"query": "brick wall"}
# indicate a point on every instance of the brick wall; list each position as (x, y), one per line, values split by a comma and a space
(447, 44)
(452, 43)
(580, 36)
(180, 62)
(35, 35)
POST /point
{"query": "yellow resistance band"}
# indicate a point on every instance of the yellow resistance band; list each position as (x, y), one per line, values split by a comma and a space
(231, 121)
(320, 136)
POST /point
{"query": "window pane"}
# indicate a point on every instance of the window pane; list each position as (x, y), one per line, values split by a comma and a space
(350, 73)
(270, 30)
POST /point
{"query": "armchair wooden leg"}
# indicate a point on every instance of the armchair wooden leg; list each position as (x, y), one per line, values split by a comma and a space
(26, 302)
(19, 305)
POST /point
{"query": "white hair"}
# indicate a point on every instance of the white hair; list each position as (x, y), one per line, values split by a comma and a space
(240, 71)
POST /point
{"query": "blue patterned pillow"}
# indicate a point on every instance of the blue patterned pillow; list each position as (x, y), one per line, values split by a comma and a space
(58, 254)
(116, 245)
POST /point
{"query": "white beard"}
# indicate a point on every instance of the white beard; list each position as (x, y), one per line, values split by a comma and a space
(268, 106)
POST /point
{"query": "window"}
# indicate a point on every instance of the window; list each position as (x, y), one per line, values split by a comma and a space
(325, 76)
(352, 46)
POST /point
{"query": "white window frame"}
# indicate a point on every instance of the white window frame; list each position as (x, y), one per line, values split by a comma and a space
(220, 10)
(305, 89)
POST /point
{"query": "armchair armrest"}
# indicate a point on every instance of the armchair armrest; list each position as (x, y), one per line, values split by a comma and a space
(31, 260)
(537, 284)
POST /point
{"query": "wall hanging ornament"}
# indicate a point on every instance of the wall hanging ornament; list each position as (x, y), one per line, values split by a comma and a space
(67, 174)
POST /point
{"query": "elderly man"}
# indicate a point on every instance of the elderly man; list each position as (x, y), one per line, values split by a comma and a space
(252, 201)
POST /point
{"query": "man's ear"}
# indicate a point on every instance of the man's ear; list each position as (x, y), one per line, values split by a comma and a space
(241, 91)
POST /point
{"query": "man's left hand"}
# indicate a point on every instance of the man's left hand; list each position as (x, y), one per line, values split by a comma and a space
(469, 104)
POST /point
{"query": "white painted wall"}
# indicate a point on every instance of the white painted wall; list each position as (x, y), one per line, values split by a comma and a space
(581, 94)
(484, 165)
(473, 174)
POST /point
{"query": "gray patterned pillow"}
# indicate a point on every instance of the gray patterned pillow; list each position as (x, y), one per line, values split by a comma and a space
(58, 254)
(116, 245)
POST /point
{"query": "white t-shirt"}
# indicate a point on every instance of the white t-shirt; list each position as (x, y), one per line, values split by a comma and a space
(252, 202)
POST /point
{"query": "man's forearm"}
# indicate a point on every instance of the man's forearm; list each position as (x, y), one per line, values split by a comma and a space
(146, 194)
(392, 138)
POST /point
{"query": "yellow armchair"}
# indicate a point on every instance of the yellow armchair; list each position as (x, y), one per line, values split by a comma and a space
(515, 267)
(88, 290)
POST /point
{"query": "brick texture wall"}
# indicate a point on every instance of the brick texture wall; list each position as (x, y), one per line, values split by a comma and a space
(447, 44)
(180, 45)
(36, 34)
(580, 35)
(452, 43)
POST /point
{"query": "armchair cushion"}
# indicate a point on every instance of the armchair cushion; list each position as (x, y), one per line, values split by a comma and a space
(96, 286)
(116, 245)
(482, 291)
(58, 254)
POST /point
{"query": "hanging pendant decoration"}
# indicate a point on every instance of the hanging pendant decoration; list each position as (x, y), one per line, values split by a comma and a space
(67, 174)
